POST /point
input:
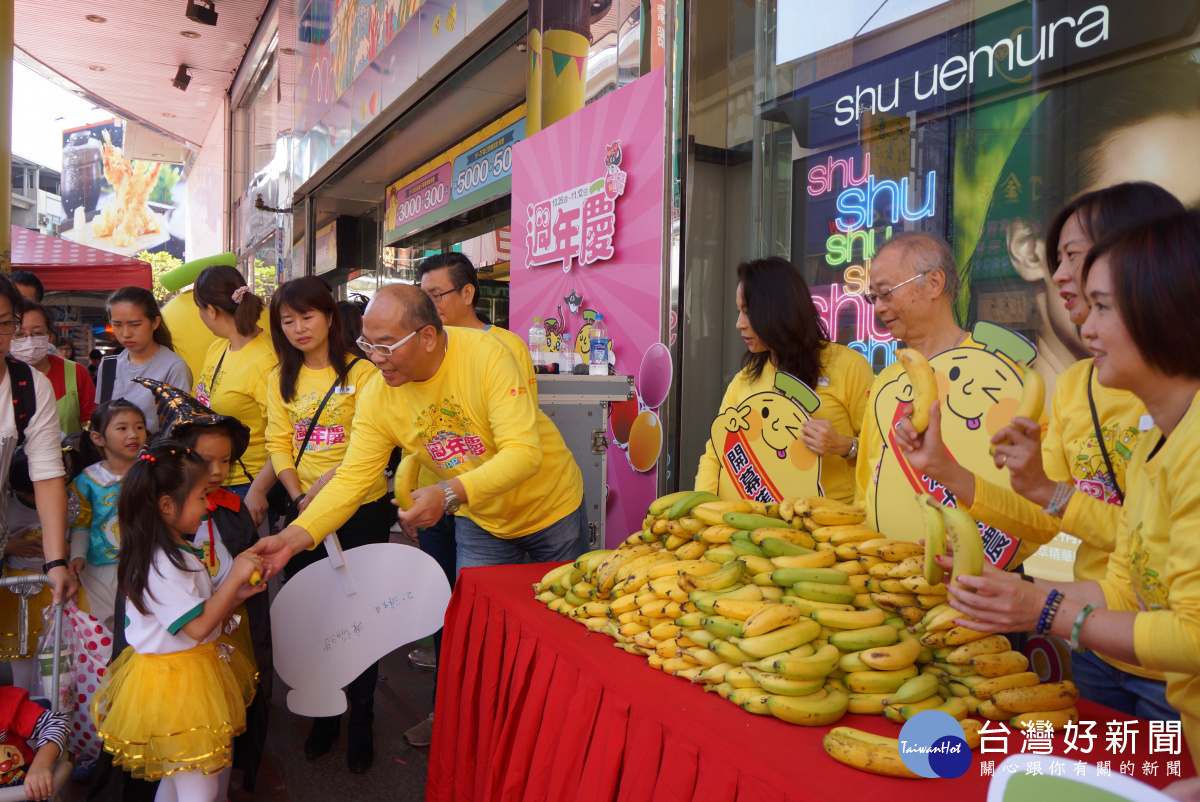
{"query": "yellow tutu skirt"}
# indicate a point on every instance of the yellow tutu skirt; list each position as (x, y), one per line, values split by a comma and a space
(163, 713)
(10, 644)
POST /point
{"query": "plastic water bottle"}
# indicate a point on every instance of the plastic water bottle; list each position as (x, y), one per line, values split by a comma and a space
(537, 343)
(598, 348)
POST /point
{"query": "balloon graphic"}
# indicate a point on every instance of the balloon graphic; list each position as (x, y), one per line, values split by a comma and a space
(621, 417)
(654, 376)
(645, 441)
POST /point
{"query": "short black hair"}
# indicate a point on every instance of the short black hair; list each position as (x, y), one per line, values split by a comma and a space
(462, 272)
(27, 279)
(95, 354)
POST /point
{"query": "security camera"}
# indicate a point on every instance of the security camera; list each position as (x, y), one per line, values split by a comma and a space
(181, 79)
(202, 11)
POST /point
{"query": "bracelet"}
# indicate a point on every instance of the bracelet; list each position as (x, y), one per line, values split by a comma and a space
(853, 452)
(1079, 619)
(1049, 611)
(1059, 499)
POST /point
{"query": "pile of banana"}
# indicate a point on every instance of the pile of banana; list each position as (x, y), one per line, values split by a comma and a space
(801, 612)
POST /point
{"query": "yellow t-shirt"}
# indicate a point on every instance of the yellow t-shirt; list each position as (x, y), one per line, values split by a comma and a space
(287, 422)
(1154, 568)
(241, 392)
(516, 346)
(475, 420)
(969, 382)
(1071, 453)
(845, 381)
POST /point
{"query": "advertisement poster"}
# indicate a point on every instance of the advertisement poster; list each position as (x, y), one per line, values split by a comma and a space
(117, 204)
(587, 227)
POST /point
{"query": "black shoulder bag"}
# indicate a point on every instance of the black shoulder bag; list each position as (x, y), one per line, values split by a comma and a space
(1100, 438)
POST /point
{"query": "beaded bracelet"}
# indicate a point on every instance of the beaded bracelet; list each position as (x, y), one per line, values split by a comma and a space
(1048, 612)
(1059, 499)
(1075, 630)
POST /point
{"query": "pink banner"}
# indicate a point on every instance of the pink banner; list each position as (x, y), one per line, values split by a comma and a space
(587, 224)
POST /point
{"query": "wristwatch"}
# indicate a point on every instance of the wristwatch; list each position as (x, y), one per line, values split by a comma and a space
(47, 567)
(853, 452)
(452, 503)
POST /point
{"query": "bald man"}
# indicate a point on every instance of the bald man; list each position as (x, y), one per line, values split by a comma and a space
(458, 400)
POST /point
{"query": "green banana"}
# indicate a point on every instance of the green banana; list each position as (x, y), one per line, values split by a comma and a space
(663, 504)
(824, 592)
(855, 640)
(729, 653)
(785, 577)
(690, 621)
(774, 547)
(879, 681)
(916, 689)
(744, 548)
(750, 520)
(722, 627)
(852, 662)
(684, 505)
(785, 686)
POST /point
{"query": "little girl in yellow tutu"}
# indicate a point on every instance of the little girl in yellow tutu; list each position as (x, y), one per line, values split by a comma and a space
(173, 701)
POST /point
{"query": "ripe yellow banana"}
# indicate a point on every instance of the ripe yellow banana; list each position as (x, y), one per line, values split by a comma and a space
(782, 639)
(788, 535)
(722, 627)
(738, 677)
(691, 551)
(552, 576)
(716, 535)
(737, 608)
(909, 710)
(924, 384)
(727, 576)
(959, 635)
(807, 607)
(705, 599)
(997, 665)
(729, 653)
(770, 618)
(752, 700)
(1033, 398)
(867, 704)
(606, 571)
(879, 681)
(850, 619)
(675, 541)
(824, 592)
(816, 666)
(846, 535)
(989, 687)
(646, 560)
(713, 675)
(992, 644)
(893, 601)
(889, 658)
(756, 566)
(809, 712)
(712, 513)
(910, 566)
(898, 551)
(1051, 696)
(935, 539)
(918, 585)
(1058, 719)
(963, 534)
(819, 559)
(843, 745)
(837, 515)
(917, 689)
(851, 662)
(850, 567)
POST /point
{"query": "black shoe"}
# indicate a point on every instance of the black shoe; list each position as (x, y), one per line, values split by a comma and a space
(320, 739)
(361, 751)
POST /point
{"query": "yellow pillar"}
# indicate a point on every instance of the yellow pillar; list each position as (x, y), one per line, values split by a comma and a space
(6, 96)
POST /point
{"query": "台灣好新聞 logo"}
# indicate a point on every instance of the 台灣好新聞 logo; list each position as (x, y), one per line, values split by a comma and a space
(931, 744)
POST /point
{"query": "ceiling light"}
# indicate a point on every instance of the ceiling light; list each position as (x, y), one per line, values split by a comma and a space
(189, 34)
(202, 11)
(96, 68)
(95, 18)
(157, 155)
(168, 114)
(181, 79)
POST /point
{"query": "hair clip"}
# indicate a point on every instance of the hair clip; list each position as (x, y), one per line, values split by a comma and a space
(146, 456)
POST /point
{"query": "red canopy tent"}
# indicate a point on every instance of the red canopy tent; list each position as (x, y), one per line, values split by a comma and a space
(64, 265)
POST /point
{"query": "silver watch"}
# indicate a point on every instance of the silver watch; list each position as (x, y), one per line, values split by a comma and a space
(853, 452)
(452, 503)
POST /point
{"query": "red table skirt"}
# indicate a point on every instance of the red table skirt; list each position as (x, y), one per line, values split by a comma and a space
(531, 706)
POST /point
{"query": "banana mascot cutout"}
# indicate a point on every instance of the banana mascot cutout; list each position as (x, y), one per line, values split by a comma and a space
(980, 387)
(759, 446)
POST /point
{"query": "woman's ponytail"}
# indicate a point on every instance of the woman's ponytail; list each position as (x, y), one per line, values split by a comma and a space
(223, 287)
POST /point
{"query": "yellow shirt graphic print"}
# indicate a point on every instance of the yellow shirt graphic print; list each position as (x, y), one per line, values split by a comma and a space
(445, 431)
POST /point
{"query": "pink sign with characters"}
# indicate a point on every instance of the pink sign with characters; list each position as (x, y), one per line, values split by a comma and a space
(587, 222)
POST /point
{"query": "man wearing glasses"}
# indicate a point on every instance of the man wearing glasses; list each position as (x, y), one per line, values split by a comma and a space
(456, 398)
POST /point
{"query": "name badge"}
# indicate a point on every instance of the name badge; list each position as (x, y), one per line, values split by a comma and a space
(347, 390)
(823, 381)
(1146, 423)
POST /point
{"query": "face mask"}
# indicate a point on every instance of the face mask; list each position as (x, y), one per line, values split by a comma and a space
(30, 350)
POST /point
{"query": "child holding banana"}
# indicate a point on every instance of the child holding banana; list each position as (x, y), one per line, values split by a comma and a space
(1143, 286)
(1073, 480)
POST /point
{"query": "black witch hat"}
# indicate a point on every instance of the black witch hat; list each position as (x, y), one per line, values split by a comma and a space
(179, 414)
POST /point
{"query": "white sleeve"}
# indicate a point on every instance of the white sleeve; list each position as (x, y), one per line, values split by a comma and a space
(174, 595)
(80, 540)
(43, 443)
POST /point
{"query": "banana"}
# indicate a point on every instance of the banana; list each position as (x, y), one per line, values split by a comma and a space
(667, 587)
(899, 551)
(879, 681)
(940, 619)
(846, 552)
(770, 618)
(553, 576)
(997, 665)
(588, 561)
(675, 541)
(842, 515)
(750, 521)
(992, 644)
(989, 711)
(894, 601)
(1051, 696)
(721, 555)
(723, 689)
(867, 704)
(963, 534)
(663, 504)
(686, 504)
(606, 571)
(713, 675)
(663, 632)
(725, 577)
(819, 559)
(808, 607)
(729, 653)
(699, 636)
(875, 585)
(774, 547)
(911, 566)
(739, 678)
(716, 535)
(916, 689)
(691, 551)
(1033, 398)
(793, 536)
(824, 592)
(1058, 719)
(782, 639)
(704, 657)
(850, 619)
(851, 662)
(855, 640)
(668, 568)
(924, 384)
(918, 585)
(596, 609)
(850, 567)
(786, 577)
(722, 627)
(406, 480)
(785, 686)
(737, 608)
(547, 597)
(704, 600)
(752, 700)
(787, 509)
(889, 658)
(818, 665)
(850, 535)
(713, 512)
(744, 548)
(959, 672)
(653, 557)
(842, 745)
(988, 688)
(809, 712)
(907, 711)
(756, 566)
(912, 615)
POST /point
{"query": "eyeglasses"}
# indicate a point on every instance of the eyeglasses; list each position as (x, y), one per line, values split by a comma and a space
(383, 350)
(10, 326)
(875, 297)
(438, 296)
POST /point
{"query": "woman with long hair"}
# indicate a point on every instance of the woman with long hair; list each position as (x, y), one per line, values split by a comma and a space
(1143, 285)
(137, 324)
(783, 334)
(311, 400)
(1072, 479)
(234, 379)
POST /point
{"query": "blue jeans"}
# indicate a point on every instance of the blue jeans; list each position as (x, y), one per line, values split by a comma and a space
(1132, 695)
(562, 540)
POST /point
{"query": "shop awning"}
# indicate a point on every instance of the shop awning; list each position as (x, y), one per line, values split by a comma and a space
(65, 265)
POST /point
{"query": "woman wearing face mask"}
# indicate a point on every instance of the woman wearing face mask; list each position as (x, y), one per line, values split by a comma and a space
(73, 386)
(1073, 479)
